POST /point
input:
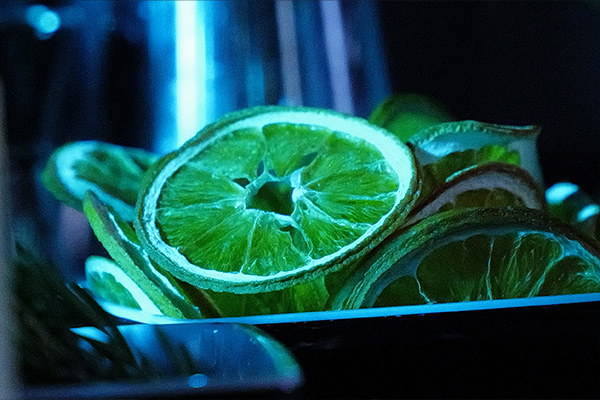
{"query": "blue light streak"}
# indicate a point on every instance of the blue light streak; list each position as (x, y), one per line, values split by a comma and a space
(337, 56)
(190, 79)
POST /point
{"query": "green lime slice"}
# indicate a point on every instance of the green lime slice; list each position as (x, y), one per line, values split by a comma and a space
(487, 185)
(108, 282)
(408, 113)
(437, 173)
(475, 254)
(119, 239)
(445, 149)
(270, 197)
(571, 204)
(112, 172)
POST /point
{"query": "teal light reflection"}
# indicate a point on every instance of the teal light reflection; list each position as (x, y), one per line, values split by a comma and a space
(588, 211)
(43, 20)
(558, 192)
(197, 381)
(397, 311)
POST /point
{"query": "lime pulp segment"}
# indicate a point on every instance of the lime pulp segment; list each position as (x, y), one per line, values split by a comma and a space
(273, 196)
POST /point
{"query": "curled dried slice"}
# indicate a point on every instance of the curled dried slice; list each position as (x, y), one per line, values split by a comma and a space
(114, 173)
(475, 254)
(488, 185)
(447, 148)
(132, 271)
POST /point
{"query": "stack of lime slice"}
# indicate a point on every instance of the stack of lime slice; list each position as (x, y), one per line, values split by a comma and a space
(286, 209)
(271, 197)
(464, 163)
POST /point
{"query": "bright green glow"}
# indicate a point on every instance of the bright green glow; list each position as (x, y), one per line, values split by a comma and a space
(475, 254)
(273, 199)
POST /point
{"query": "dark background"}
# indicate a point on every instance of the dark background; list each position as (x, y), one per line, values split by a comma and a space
(508, 62)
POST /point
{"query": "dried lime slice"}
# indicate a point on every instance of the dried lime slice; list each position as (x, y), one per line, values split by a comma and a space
(109, 283)
(487, 185)
(270, 197)
(408, 113)
(445, 149)
(475, 254)
(119, 239)
(112, 172)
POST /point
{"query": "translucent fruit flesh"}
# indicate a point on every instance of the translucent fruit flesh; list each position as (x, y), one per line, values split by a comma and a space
(476, 254)
(272, 197)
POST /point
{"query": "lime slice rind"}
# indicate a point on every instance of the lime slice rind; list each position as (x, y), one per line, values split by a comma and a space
(398, 156)
(109, 228)
(478, 134)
